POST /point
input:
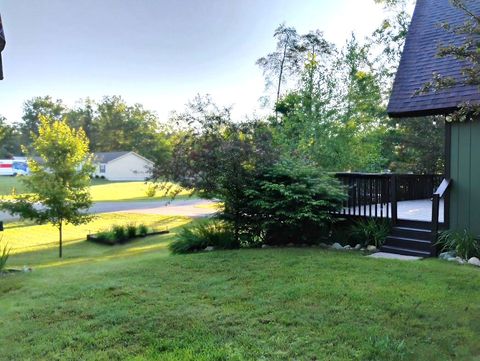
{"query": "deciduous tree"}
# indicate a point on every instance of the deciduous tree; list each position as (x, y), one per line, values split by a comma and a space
(58, 187)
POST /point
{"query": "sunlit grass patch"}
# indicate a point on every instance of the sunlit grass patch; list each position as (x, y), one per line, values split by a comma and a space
(26, 236)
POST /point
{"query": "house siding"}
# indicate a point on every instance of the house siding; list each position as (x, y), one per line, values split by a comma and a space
(127, 168)
(465, 174)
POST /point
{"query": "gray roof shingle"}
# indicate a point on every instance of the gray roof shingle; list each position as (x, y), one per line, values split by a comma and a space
(419, 61)
(105, 157)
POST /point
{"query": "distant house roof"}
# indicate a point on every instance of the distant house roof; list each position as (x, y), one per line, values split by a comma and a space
(419, 61)
(107, 157)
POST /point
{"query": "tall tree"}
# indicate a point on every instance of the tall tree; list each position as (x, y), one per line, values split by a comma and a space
(33, 110)
(284, 61)
(217, 157)
(9, 139)
(58, 187)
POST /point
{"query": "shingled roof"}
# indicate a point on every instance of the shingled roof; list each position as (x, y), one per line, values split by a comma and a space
(419, 61)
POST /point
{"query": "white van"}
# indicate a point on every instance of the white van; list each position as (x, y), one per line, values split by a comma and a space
(13, 167)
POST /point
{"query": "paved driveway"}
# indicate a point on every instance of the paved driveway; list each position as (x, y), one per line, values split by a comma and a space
(187, 208)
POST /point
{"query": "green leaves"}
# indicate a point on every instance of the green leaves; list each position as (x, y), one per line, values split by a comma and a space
(57, 188)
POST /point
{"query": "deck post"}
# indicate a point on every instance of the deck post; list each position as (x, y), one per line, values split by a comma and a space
(435, 216)
(394, 199)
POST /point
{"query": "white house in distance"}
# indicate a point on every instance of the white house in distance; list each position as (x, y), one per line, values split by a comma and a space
(122, 166)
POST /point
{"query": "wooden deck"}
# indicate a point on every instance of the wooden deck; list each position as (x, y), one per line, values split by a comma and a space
(416, 210)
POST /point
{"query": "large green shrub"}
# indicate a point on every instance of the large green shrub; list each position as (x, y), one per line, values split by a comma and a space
(293, 202)
(462, 242)
(204, 234)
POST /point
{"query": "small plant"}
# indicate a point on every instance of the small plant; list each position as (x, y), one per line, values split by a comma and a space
(119, 233)
(142, 230)
(370, 232)
(463, 243)
(210, 233)
(4, 254)
(131, 231)
(151, 190)
(105, 237)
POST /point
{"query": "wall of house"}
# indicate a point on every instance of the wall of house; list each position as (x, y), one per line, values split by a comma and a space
(129, 167)
(465, 174)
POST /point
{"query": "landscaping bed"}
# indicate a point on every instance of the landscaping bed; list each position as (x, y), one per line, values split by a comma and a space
(123, 234)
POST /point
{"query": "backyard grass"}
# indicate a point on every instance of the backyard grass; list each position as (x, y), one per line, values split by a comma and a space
(101, 190)
(138, 302)
(24, 236)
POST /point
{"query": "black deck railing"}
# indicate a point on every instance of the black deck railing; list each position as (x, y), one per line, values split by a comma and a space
(376, 195)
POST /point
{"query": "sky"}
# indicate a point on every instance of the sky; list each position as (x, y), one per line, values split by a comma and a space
(159, 53)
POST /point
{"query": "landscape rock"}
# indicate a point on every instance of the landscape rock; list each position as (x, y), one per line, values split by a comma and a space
(474, 261)
(209, 249)
(371, 248)
(362, 249)
(447, 255)
(458, 260)
(323, 245)
(337, 246)
(358, 247)
(347, 247)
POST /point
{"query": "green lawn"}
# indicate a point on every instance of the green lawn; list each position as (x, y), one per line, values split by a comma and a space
(101, 190)
(26, 236)
(138, 302)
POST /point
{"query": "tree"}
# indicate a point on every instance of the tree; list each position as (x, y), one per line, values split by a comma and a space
(58, 187)
(284, 60)
(9, 139)
(33, 110)
(217, 157)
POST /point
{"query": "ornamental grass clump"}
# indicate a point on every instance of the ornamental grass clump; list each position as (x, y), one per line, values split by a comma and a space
(205, 234)
(464, 243)
(4, 254)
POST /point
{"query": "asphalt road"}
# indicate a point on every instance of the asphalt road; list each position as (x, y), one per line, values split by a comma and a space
(188, 208)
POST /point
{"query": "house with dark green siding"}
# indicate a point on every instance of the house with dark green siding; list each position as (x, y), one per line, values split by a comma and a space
(418, 64)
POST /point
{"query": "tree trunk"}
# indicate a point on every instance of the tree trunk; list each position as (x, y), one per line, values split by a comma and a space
(60, 239)
(280, 77)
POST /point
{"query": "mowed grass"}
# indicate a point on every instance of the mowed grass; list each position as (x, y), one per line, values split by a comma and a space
(138, 302)
(101, 190)
(24, 236)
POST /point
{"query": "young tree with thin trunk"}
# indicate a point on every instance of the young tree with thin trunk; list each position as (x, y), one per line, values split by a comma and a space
(57, 189)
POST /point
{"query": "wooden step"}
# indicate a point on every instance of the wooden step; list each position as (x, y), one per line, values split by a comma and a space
(405, 251)
(414, 233)
(414, 244)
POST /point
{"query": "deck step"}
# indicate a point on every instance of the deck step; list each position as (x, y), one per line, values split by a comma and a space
(405, 251)
(412, 233)
(414, 244)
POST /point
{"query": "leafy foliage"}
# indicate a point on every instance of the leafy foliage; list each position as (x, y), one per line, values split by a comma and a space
(207, 233)
(463, 242)
(142, 230)
(217, 157)
(4, 254)
(293, 202)
(58, 187)
(370, 232)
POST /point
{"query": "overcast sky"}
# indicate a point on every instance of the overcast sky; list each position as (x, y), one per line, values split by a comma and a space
(156, 52)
